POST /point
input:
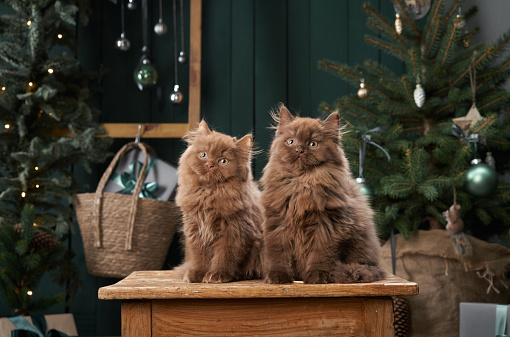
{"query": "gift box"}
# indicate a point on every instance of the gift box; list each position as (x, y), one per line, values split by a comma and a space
(159, 183)
(59, 325)
(483, 319)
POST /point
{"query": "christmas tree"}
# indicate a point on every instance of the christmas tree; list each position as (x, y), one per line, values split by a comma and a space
(444, 110)
(44, 94)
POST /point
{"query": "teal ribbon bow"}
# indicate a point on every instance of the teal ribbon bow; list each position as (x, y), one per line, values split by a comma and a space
(127, 180)
(25, 329)
(501, 314)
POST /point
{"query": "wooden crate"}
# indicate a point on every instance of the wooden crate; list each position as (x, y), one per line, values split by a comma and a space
(155, 303)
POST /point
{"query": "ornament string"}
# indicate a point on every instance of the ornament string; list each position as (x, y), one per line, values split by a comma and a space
(473, 138)
(175, 41)
(367, 139)
(472, 77)
(182, 29)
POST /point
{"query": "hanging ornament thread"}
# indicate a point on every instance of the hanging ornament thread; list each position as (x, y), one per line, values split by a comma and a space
(160, 28)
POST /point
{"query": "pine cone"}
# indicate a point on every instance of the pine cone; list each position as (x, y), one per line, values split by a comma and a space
(402, 316)
(40, 240)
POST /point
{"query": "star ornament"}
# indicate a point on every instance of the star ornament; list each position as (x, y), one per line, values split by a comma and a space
(473, 116)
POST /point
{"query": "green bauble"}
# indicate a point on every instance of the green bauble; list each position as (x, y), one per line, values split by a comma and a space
(363, 187)
(481, 180)
(146, 76)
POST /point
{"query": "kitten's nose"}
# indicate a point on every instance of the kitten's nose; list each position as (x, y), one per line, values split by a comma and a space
(209, 166)
(299, 150)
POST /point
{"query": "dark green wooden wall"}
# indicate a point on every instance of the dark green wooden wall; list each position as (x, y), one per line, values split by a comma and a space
(255, 54)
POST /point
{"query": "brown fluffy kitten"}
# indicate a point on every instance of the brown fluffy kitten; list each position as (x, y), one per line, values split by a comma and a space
(220, 204)
(318, 225)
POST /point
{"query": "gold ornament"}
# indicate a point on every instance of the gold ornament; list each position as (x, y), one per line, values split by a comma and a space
(362, 91)
(398, 24)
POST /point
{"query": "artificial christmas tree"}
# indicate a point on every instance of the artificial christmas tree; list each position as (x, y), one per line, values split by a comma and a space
(444, 78)
(44, 92)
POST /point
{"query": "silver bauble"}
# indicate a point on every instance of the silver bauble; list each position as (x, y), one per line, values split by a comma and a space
(160, 28)
(131, 4)
(176, 96)
(182, 57)
(122, 43)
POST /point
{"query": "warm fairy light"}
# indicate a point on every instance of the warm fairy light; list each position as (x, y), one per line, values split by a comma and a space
(3, 88)
(36, 168)
(35, 225)
(59, 36)
(30, 293)
(50, 71)
(49, 114)
(23, 194)
(7, 126)
(29, 23)
(36, 185)
(30, 84)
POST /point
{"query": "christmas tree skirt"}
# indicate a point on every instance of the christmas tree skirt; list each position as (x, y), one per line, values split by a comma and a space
(445, 279)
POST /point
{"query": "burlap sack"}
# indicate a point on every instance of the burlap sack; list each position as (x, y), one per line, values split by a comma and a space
(430, 260)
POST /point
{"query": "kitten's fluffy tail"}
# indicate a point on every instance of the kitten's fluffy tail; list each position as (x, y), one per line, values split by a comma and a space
(356, 273)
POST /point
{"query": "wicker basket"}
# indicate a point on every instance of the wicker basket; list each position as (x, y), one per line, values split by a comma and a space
(123, 233)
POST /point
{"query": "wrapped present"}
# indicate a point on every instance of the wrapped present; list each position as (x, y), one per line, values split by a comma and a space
(484, 320)
(60, 325)
(159, 183)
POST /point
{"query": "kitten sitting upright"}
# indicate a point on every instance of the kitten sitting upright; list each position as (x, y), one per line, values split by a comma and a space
(318, 226)
(220, 204)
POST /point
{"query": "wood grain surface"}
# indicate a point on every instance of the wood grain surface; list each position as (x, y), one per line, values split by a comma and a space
(163, 285)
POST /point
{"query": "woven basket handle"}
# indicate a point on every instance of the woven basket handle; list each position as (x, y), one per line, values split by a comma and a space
(98, 203)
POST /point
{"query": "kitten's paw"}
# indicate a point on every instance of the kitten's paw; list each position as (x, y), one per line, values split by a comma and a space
(193, 276)
(316, 276)
(217, 277)
(357, 273)
(278, 277)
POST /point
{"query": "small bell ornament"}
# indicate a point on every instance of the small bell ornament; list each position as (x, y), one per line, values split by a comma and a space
(122, 43)
(398, 24)
(362, 91)
(176, 95)
(419, 95)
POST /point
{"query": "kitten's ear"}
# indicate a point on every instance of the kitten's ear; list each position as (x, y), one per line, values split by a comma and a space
(284, 116)
(203, 128)
(245, 143)
(333, 121)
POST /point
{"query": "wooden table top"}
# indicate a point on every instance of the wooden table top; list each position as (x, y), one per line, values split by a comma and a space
(161, 284)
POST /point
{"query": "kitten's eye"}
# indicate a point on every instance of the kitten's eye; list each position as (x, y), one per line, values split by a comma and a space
(202, 155)
(291, 142)
(313, 143)
(224, 161)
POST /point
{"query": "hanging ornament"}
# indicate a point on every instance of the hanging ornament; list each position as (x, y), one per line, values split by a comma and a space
(460, 20)
(182, 55)
(131, 4)
(122, 43)
(160, 28)
(176, 96)
(419, 94)
(416, 9)
(489, 160)
(466, 39)
(398, 24)
(367, 138)
(473, 116)
(363, 92)
(145, 74)
(481, 179)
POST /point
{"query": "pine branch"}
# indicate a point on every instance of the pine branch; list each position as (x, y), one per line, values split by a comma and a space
(450, 43)
(454, 8)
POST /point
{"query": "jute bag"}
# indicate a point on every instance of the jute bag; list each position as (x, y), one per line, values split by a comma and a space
(123, 233)
(429, 259)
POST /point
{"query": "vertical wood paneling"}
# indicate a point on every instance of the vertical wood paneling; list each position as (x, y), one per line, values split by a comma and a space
(270, 68)
(329, 40)
(216, 67)
(242, 111)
